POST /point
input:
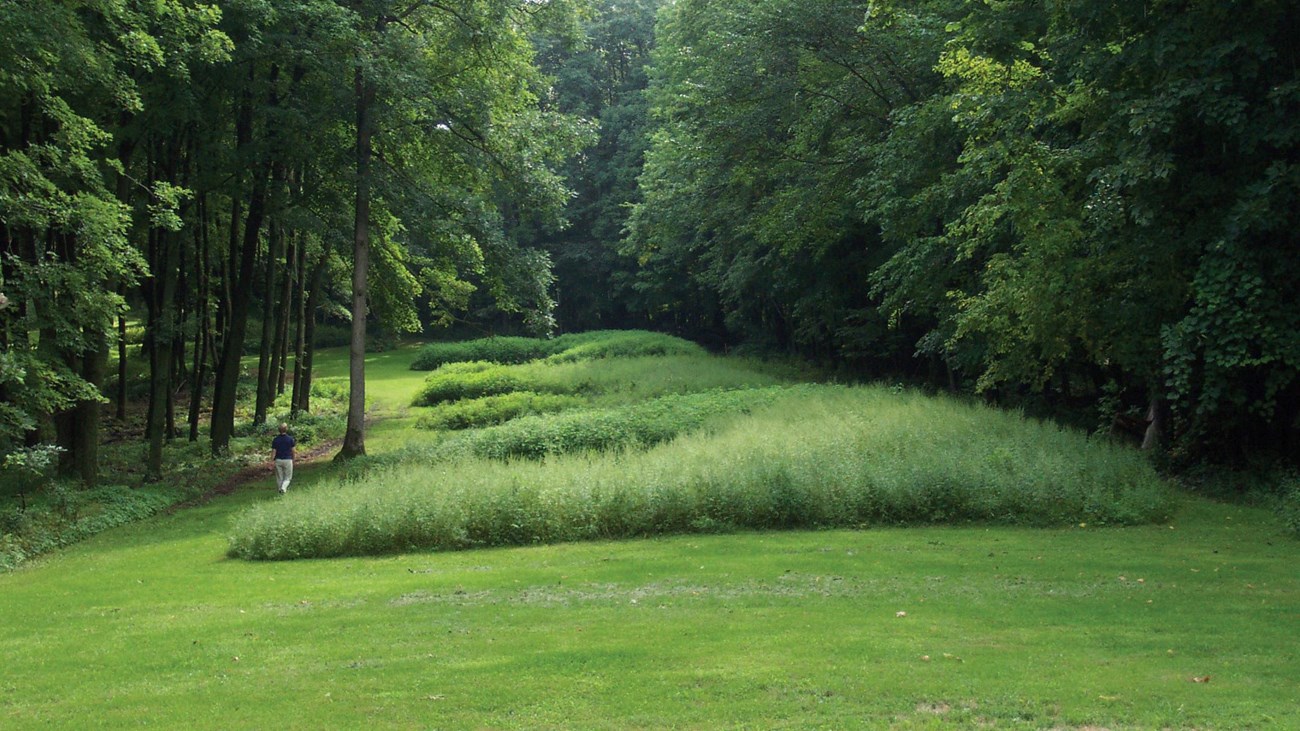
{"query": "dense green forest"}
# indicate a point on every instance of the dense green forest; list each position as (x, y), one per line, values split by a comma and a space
(1084, 208)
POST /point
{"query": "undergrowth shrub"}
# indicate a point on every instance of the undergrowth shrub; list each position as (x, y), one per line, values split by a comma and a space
(73, 515)
(491, 410)
(1289, 508)
(834, 456)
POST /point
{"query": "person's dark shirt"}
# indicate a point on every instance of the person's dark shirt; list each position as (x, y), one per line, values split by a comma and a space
(283, 446)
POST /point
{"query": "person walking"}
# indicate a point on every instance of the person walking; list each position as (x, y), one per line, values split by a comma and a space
(284, 449)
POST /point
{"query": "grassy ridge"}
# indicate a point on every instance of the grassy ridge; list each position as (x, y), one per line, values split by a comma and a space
(839, 457)
(491, 410)
(638, 425)
(624, 379)
(565, 348)
(1005, 628)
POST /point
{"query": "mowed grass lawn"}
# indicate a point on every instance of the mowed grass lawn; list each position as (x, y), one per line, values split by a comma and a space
(917, 628)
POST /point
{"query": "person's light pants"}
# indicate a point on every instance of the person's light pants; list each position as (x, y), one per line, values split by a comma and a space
(283, 474)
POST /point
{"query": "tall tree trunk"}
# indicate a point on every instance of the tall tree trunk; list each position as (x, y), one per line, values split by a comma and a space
(86, 422)
(284, 315)
(239, 285)
(354, 439)
(265, 366)
(178, 374)
(300, 299)
(1157, 427)
(201, 331)
(227, 373)
(302, 373)
(121, 362)
(159, 341)
(125, 150)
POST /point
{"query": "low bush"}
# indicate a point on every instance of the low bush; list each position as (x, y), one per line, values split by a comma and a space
(834, 457)
(1289, 504)
(492, 410)
(69, 515)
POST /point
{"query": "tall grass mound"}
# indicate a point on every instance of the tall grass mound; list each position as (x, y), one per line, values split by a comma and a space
(835, 456)
(635, 426)
(627, 344)
(492, 410)
(625, 378)
(507, 350)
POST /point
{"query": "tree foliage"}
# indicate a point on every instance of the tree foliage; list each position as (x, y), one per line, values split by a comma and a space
(195, 164)
(1089, 200)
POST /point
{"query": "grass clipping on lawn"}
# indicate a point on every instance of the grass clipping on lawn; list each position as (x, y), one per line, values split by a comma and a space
(828, 456)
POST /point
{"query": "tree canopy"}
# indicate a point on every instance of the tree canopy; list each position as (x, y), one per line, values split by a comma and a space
(1084, 207)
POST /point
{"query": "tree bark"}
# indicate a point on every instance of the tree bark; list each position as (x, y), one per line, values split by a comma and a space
(239, 286)
(303, 374)
(227, 373)
(284, 315)
(265, 358)
(159, 342)
(121, 363)
(94, 366)
(300, 332)
(354, 444)
(1157, 424)
(201, 319)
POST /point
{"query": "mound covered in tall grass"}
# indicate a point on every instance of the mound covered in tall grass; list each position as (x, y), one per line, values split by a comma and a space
(632, 426)
(490, 410)
(506, 350)
(824, 457)
(630, 377)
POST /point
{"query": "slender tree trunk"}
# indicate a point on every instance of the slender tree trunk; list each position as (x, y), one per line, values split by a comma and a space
(300, 298)
(121, 362)
(94, 365)
(303, 375)
(285, 313)
(201, 331)
(354, 444)
(265, 365)
(177, 344)
(239, 286)
(1157, 426)
(124, 152)
(159, 339)
(227, 373)
(229, 268)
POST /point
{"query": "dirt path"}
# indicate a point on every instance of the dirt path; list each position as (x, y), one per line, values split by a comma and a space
(255, 473)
